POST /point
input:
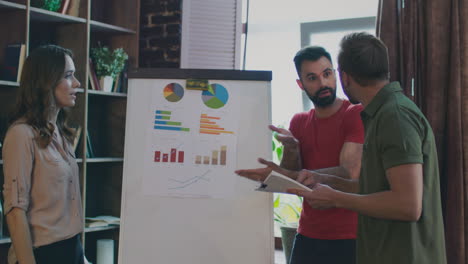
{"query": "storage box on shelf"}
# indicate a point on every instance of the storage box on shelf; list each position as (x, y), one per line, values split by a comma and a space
(113, 23)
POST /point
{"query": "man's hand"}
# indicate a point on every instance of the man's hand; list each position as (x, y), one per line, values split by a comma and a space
(321, 197)
(260, 174)
(285, 137)
(291, 152)
(308, 178)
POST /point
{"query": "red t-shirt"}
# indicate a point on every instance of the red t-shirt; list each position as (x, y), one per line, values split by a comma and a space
(321, 140)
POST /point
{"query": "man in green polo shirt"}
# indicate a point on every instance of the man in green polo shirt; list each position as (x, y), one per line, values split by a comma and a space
(397, 195)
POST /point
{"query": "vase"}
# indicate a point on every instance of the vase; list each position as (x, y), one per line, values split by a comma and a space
(106, 83)
(287, 239)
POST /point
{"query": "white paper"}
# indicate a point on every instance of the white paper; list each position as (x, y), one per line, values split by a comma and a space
(280, 184)
(193, 154)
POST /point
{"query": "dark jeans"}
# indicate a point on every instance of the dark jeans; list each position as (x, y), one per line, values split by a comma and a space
(318, 251)
(68, 251)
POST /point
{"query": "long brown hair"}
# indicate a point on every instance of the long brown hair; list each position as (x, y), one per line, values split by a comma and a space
(42, 71)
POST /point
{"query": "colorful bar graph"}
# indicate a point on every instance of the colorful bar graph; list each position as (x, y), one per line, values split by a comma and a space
(210, 117)
(172, 128)
(162, 117)
(214, 132)
(181, 157)
(161, 112)
(167, 123)
(162, 122)
(206, 121)
(210, 127)
(214, 157)
(172, 157)
(218, 157)
(157, 156)
(223, 155)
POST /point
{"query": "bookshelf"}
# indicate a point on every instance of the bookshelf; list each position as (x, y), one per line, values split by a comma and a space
(101, 115)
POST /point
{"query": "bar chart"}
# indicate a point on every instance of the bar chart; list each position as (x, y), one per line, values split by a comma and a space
(208, 125)
(162, 121)
(217, 157)
(174, 156)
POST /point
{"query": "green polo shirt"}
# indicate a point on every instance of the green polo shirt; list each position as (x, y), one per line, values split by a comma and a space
(397, 133)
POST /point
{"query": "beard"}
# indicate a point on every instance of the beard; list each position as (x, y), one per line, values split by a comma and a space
(325, 100)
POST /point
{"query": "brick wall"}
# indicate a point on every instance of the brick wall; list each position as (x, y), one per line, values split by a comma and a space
(160, 33)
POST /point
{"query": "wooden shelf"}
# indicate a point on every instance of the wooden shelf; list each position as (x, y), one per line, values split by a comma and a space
(10, 5)
(104, 160)
(5, 240)
(97, 26)
(101, 228)
(38, 14)
(8, 83)
(94, 92)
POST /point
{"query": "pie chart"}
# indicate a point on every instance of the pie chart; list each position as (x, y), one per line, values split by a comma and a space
(216, 96)
(173, 92)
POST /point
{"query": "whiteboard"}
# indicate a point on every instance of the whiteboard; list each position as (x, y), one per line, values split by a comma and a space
(195, 224)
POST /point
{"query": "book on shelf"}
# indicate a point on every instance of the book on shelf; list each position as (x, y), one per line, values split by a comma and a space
(76, 141)
(280, 183)
(74, 8)
(102, 220)
(89, 147)
(116, 88)
(93, 77)
(123, 86)
(64, 7)
(13, 62)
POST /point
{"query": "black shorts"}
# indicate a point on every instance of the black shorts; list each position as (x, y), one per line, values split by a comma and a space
(319, 251)
(68, 251)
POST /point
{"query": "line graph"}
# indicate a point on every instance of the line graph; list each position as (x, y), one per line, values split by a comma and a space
(191, 181)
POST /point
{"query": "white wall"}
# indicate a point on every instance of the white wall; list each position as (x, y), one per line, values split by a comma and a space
(274, 38)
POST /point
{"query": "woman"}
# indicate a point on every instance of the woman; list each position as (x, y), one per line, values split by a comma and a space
(41, 190)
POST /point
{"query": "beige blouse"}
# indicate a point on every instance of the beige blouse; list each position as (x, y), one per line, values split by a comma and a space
(44, 182)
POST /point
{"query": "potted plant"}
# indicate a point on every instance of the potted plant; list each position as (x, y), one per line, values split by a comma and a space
(51, 5)
(286, 208)
(108, 64)
(287, 211)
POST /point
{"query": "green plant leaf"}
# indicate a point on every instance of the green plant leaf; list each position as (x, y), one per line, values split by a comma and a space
(294, 209)
(107, 62)
(279, 152)
(276, 203)
(280, 219)
(287, 209)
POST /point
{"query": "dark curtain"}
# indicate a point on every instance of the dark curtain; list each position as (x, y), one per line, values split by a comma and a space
(428, 52)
